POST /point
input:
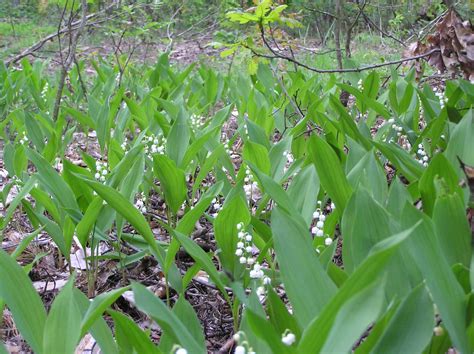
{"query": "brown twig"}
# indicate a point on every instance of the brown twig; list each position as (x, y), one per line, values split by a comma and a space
(386, 34)
(277, 55)
(73, 39)
(73, 26)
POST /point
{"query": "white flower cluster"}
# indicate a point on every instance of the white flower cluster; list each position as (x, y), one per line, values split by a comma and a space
(24, 140)
(441, 96)
(243, 346)
(44, 91)
(101, 171)
(140, 203)
(421, 119)
(244, 246)
(117, 78)
(177, 349)
(397, 128)
(289, 159)
(217, 206)
(155, 145)
(124, 145)
(421, 155)
(319, 219)
(359, 85)
(288, 338)
(244, 252)
(196, 122)
(250, 186)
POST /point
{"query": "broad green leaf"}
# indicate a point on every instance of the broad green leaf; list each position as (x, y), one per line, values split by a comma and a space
(266, 332)
(368, 173)
(461, 142)
(53, 182)
(411, 327)
(316, 333)
(257, 155)
(364, 223)
(62, 329)
(330, 172)
(154, 307)
(99, 329)
(120, 204)
(303, 192)
(411, 169)
(130, 337)
(279, 315)
(202, 259)
(178, 139)
(185, 312)
(172, 181)
(363, 307)
(18, 293)
(439, 168)
(17, 200)
(444, 288)
(300, 268)
(225, 230)
(98, 306)
(452, 229)
(84, 227)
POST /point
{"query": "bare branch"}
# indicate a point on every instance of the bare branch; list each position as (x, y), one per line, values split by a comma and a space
(67, 29)
(277, 55)
(74, 37)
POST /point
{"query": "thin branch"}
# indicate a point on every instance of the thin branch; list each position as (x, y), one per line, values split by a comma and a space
(320, 12)
(74, 26)
(277, 55)
(74, 38)
(386, 34)
(351, 27)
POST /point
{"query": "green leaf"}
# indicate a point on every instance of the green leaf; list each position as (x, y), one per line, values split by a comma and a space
(317, 332)
(178, 139)
(62, 329)
(411, 328)
(185, 312)
(261, 328)
(411, 169)
(23, 301)
(279, 315)
(202, 259)
(225, 229)
(368, 173)
(461, 142)
(84, 227)
(172, 181)
(307, 285)
(330, 172)
(439, 168)
(447, 293)
(98, 306)
(364, 223)
(123, 206)
(99, 329)
(364, 307)
(130, 337)
(147, 302)
(303, 192)
(17, 200)
(53, 182)
(452, 229)
(257, 155)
